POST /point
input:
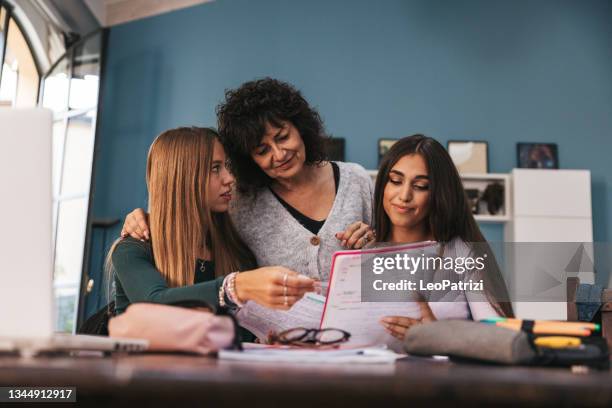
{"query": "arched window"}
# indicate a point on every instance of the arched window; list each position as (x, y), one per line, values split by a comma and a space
(46, 65)
(20, 74)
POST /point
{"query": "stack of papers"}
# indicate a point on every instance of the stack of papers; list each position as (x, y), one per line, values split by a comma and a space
(276, 354)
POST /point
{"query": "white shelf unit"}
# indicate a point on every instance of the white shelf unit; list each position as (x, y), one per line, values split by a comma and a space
(549, 206)
(480, 182)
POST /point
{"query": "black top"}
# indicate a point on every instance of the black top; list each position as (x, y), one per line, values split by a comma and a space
(204, 271)
(311, 225)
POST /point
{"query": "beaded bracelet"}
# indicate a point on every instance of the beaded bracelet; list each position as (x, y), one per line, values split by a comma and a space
(231, 289)
(228, 289)
(222, 294)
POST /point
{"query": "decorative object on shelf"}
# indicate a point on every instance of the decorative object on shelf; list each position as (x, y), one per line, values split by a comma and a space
(383, 147)
(493, 205)
(335, 148)
(537, 156)
(470, 156)
(493, 195)
(473, 196)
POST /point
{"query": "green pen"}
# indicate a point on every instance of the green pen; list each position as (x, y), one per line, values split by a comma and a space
(493, 320)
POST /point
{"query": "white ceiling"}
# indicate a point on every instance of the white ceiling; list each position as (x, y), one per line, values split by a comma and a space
(113, 12)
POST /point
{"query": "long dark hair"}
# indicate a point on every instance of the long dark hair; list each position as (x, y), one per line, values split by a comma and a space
(449, 216)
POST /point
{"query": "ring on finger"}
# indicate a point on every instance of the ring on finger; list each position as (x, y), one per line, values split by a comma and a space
(286, 300)
(285, 277)
(285, 291)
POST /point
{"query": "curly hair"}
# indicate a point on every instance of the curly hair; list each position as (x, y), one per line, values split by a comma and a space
(242, 120)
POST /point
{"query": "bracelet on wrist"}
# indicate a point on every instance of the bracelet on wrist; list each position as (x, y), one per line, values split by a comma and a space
(227, 292)
(224, 299)
(231, 289)
(222, 302)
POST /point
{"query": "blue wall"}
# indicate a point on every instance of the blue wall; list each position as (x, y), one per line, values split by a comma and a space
(501, 71)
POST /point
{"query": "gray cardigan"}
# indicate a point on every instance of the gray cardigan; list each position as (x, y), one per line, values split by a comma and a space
(277, 238)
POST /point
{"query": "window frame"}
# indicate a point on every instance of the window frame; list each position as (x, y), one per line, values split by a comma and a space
(64, 117)
(8, 8)
(7, 16)
(86, 267)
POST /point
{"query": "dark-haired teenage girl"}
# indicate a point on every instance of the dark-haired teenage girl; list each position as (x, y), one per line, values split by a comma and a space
(419, 197)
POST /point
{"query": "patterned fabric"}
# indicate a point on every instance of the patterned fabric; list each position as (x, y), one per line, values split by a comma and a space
(464, 304)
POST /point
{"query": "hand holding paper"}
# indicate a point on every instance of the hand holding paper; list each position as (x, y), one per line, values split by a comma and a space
(261, 320)
(398, 325)
(275, 287)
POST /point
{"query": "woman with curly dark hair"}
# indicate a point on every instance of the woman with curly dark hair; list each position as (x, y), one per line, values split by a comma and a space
(257, 108)
(294, 208)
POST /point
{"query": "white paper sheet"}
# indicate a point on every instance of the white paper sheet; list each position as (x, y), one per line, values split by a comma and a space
(369, 355)
(346, 311)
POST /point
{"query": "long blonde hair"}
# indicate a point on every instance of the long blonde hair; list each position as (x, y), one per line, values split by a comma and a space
(181, 224)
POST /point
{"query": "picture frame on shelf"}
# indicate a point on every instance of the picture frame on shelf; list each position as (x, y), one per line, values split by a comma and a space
(469, 156)
(383, 147)
(537, 156)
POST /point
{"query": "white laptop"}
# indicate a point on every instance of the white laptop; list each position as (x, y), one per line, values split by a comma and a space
(27, 307)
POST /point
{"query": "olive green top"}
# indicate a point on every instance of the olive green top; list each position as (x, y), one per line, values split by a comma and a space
(137, 279)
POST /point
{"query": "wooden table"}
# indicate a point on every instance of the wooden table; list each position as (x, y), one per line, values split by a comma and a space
(175, 380)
